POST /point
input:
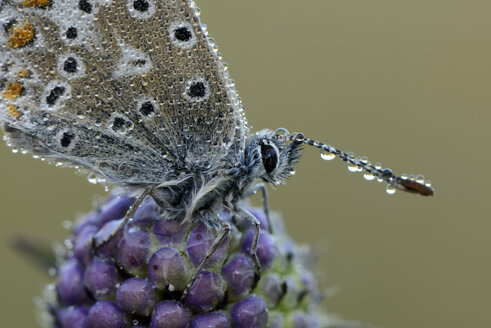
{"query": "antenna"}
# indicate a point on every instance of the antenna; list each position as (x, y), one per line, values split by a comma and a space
(417, 185)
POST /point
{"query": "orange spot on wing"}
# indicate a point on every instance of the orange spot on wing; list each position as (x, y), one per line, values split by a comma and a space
(13, 90)
(13, 111)
(36, 3)
(20, 35)
(23, 73)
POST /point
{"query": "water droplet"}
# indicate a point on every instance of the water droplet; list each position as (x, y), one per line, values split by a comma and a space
(92, 179)
(68, 243)
(282, 132)
(404, 176)
(368, 176)
(15, 150)
(428, 183)
(292, 172)
(352, 167)
(390, 189)
(378, 166)
(327, 156)
(420, 179)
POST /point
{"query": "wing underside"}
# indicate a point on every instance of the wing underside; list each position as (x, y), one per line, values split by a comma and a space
(132, 90)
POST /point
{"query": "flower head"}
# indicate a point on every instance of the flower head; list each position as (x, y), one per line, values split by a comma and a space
(137, 279)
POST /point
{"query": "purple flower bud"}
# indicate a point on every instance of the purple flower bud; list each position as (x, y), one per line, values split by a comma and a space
(170, 314)
(91, 218)
(74, 317)
(148, 210)
(69, 288)
(200, 241)
(303, 320)
(309, 283)
(239, 274)
(83, 243)
(109, 249)
(137, 296)
(293, 293)
(266, 249)
(276, 320)
(133, 250)
(170, 231)
(167, 268)
(101, 278)
(251, 312)
(206, 293)
(115, 209)
(211, 320)
(105, 314)
(272, 289)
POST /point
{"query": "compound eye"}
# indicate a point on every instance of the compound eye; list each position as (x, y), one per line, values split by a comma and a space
(269, 155)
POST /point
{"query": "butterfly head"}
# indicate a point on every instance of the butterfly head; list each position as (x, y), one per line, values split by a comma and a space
(272, 157)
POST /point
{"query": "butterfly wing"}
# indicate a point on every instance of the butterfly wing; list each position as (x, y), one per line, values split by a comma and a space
(132, 90)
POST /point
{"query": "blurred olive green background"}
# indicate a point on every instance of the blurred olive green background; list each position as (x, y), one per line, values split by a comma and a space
(407, 83)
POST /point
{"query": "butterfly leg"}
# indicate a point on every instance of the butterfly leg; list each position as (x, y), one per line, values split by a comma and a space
(246, 215)
(129, 214)
(262, 188)
(223, 234)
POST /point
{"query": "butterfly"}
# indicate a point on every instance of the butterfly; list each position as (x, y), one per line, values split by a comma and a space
(135, 92)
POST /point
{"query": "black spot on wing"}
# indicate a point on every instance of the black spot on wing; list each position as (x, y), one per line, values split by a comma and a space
(85, 6)
(54, 94)
(71, 33)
